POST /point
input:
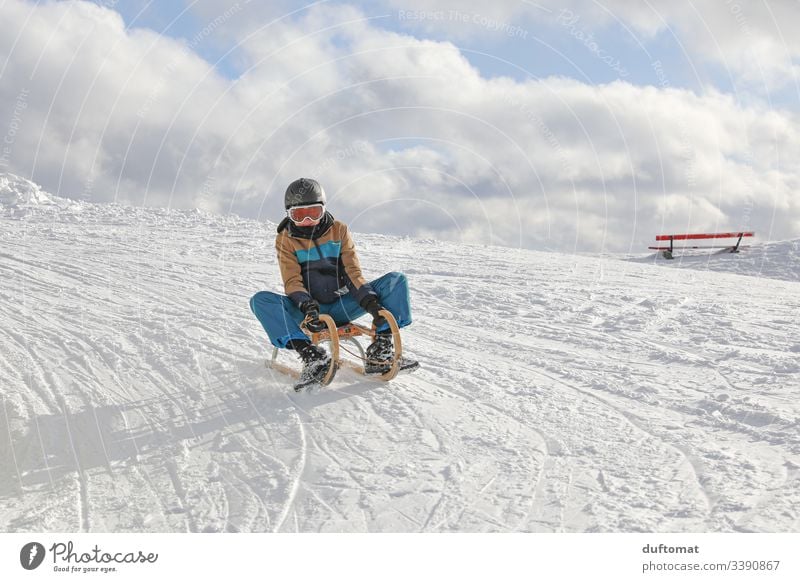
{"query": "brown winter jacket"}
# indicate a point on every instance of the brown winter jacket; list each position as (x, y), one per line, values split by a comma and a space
(324, 267)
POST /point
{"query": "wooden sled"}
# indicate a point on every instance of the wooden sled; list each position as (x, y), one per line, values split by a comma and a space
(335, 336)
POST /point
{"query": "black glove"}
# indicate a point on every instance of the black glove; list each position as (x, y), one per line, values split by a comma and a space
(370, 305)
(310, 309)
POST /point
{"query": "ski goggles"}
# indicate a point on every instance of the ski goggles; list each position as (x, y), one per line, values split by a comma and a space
(310, 213)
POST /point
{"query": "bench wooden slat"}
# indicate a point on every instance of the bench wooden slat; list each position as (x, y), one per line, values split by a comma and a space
(702, 236)
(698, 247)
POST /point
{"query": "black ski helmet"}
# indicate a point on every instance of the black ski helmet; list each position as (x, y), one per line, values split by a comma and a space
(302, 192)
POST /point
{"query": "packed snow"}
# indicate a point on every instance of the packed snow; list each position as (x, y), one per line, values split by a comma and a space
(773, 260)
(557, 393)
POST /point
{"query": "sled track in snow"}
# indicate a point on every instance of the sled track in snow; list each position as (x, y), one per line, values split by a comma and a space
(554, 394)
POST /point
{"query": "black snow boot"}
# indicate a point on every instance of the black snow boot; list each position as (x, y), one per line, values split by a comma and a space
(380, 356)
(316, 363)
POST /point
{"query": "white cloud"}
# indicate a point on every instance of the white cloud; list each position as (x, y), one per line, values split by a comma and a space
(755, 43)
(406, 135)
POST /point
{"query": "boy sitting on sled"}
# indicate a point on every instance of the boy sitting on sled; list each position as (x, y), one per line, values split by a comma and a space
(321, 274)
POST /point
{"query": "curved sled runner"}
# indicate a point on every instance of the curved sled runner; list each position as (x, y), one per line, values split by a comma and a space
(335, 336)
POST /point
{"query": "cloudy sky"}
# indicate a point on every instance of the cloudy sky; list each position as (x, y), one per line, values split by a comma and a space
(569, 125)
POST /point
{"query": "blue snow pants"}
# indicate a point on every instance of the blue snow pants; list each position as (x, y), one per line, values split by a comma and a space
(281, 318)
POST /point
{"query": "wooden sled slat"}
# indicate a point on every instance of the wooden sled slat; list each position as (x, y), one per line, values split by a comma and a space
(398, 345)
(284, 369)
(334, 339)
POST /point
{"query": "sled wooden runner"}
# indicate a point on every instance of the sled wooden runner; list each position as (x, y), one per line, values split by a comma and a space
(348, 332)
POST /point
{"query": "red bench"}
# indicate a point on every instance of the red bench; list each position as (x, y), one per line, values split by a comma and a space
(667, 251)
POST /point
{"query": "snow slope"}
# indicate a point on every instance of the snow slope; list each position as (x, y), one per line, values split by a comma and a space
(558, 393)
(775, 260)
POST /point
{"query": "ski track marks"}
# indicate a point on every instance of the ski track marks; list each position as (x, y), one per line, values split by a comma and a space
(557, 393)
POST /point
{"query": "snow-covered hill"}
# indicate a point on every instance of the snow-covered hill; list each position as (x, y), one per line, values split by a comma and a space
(558, 393)
(16, 191)
(774, 260)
